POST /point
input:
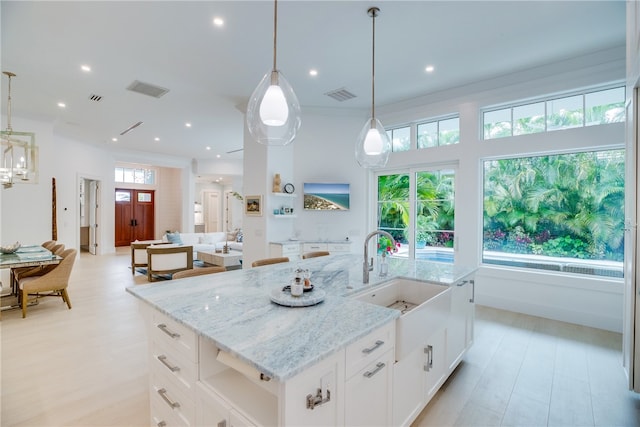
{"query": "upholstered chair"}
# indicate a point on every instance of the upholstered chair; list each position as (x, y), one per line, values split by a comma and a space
(53, 283)
(315, 254)
(268, 261)
(198, 272)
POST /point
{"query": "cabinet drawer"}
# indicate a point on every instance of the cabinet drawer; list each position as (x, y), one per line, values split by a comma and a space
(170, 402)
(310, 247)
(290, 249)
(170, 364)
(175, 335)
(367, 349)
(338, 247)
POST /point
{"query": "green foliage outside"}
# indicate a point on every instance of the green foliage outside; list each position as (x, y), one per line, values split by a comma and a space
(434, 208)
(569, 205)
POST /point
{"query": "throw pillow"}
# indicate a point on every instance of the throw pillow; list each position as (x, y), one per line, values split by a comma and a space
(239, 236)
(174, 238)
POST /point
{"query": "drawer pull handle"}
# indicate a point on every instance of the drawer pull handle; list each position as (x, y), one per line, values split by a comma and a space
(162, 358)
(379, 367)
(162, 424)
(222, 423)
(163, 393)
(317, 400)
(373, 348)
(166, 330)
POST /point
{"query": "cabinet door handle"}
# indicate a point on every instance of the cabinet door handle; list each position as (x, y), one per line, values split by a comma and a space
(164, 329)
(162, 358)
(373, 348)
(162, 424)
(473, 291)
(428, 350)
(379, 367)
(163, 393)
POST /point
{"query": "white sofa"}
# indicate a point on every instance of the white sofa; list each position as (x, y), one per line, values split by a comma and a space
(205, 241)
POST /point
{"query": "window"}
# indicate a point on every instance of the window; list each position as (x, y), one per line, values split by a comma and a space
(424, 230)
(135, 175)
(438, 133)
(585, 109)
(562, 212)
(400, 139)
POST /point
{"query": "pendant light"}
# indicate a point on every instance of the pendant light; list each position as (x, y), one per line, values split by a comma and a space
(18, 151)
(273, 113)
(373, 145)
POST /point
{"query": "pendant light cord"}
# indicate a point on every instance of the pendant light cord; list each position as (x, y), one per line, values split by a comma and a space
(373, 12)
(275, 31)
(9, 74)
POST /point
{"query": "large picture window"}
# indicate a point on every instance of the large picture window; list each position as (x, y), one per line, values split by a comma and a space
(561, 212)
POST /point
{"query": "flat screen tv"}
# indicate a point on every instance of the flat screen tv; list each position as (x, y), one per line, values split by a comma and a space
(326, 196)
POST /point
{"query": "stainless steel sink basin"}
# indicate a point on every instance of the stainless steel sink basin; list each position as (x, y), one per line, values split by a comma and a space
(425, 308)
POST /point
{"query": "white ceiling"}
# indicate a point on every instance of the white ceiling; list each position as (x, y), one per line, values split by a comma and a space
(210, 71)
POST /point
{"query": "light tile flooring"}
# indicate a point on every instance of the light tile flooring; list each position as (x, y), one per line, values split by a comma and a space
(87, 366)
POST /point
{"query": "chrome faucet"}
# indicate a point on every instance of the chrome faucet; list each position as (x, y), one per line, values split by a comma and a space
(366, 266)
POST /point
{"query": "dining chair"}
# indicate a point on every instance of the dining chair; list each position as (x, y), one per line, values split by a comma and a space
(198, 272)
(315, 254)
(49, 244)
(53, 283)
(268, 261)
(22, 272)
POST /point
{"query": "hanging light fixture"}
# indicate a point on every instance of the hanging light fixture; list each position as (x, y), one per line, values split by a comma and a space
(273, 113)
(18, 151)
(373, 145)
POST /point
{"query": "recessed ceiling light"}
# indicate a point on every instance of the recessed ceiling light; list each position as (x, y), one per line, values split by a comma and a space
(114, 139)
(218, 156)
(85, 68)
(429, 68)
(208, 148)
(188, 124)
(61, 104)
(313, 72)
(156, 139)
(218, 22)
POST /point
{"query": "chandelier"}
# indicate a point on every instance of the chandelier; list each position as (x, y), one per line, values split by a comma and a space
(19, 154)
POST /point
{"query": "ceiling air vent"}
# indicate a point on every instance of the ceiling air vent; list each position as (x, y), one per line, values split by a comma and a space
(95, 98)
(130, 128)
(147, 89)
(340, 94)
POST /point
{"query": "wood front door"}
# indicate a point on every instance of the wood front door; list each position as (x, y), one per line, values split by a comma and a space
(134, 216)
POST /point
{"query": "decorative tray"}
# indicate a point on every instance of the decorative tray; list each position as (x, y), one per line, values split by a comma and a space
(283, 297)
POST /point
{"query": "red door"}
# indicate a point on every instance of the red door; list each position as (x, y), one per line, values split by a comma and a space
(134, 216)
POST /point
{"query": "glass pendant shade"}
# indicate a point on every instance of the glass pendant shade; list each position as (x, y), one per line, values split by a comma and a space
(273, 113)
(373, 145)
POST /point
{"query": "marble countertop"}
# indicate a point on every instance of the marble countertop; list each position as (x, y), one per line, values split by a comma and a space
(235, 311)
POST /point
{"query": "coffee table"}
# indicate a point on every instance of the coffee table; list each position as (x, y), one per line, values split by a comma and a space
(231, 259)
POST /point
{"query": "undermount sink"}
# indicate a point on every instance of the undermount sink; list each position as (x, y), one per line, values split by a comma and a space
(425, 308)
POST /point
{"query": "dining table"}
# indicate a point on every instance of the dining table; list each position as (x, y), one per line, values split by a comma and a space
(25, 256)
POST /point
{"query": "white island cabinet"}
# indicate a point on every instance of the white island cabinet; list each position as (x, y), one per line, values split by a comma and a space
(222, 354)
(235, 394)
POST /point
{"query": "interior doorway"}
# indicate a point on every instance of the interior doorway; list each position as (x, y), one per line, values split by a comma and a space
(89, 195)
(134, 216)
(211, 205)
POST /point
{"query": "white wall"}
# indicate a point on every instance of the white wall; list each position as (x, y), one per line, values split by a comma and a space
(324, 152)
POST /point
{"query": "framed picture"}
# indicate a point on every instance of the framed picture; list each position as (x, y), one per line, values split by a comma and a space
(253, 205)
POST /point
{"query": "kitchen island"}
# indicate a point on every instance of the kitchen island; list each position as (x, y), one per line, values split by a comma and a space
(248, 361)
